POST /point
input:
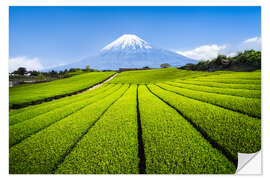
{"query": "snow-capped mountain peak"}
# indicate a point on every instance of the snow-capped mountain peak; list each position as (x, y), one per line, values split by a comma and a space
(130, 51)
(127, 41)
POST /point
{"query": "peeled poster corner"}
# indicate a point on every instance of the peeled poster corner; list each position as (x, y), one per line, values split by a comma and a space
(249, 164)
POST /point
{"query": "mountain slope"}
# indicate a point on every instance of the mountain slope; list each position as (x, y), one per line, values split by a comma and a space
(130, 51)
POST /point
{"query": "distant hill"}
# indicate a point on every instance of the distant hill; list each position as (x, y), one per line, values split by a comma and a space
(248, 60)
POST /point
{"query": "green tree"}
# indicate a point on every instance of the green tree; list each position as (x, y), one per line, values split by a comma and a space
(87, 68)
(53, 73)
(21, 71)
(165, 65)
(34, 73)
(41, 76)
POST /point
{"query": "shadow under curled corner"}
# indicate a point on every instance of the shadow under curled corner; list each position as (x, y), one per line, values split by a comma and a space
(249, 164)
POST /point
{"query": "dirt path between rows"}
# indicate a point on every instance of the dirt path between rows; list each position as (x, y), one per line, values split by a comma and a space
(100, 84)
(18, 106)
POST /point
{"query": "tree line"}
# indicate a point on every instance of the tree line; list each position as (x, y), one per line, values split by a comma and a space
(248, 60)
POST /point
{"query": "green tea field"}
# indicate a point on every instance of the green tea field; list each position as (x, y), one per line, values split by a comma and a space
(159, 121)
(31, 93)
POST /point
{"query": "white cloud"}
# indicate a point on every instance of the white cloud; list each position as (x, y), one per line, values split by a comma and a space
(28, 63)
(232, 54)
(204, 52)
(253, 40)
(251, 43)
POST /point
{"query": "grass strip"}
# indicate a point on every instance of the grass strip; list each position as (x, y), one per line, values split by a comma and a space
(36, 110)
(172, 145)
(249, 106)
(111, 146)
(230, 81)
(28, 93)
(221, 85)
(233, 131)
(256, 75)
(233, 92)
(40, 153)
(20, 131)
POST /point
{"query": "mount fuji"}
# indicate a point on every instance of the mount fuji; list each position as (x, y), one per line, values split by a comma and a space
(130, 51)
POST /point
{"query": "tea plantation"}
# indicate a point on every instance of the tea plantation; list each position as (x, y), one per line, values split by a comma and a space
(159, 121)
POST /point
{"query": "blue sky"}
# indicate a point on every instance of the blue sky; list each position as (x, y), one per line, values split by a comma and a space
(49, 36)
